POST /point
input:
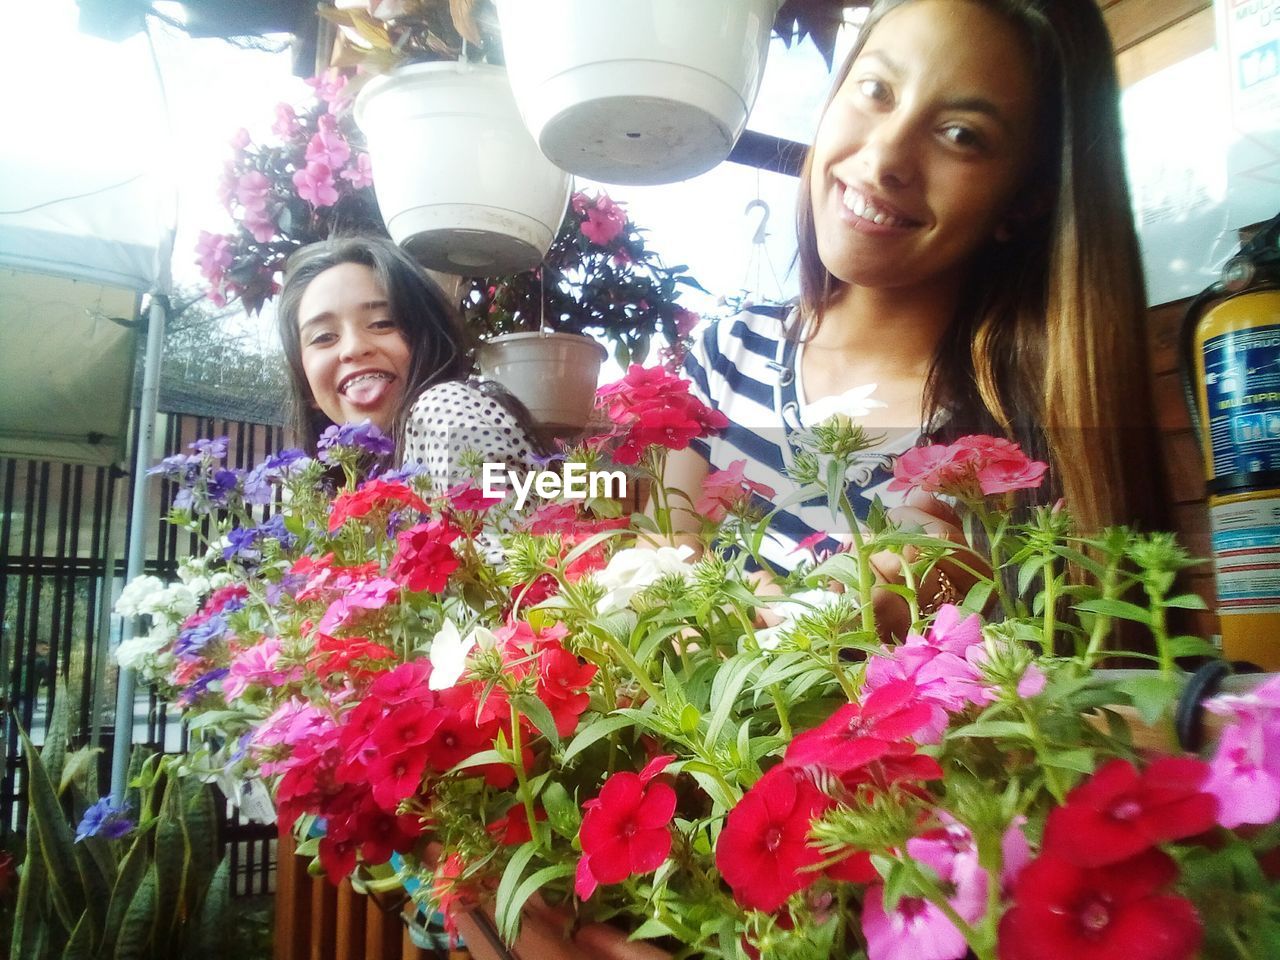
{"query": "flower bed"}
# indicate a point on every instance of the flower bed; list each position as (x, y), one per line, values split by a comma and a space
(608, 730)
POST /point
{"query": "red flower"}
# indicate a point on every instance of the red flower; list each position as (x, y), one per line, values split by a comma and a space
(512, 829)
(373, 495)
(1112, 913)
(562, 683)
(604, 219)
(382, 833)
(452, 894)
(857, 734)
(469, 498)
(354, 656)
(625, 830)
(424, 558)
(1118, 812)
(653, 406)
(764, 849)
(396, 776)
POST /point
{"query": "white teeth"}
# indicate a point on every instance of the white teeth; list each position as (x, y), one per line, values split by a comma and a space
(372, 375)
(862, 208)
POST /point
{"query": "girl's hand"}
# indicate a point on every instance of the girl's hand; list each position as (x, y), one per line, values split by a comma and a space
(948, 582)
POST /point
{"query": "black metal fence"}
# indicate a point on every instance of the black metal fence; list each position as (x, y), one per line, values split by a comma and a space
(63, 531)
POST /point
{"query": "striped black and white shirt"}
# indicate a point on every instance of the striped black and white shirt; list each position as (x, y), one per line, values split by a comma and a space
(747, 368)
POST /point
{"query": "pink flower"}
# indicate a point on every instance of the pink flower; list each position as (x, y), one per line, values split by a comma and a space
(973, 465)
(605, 220)
(859, 733)
(625, 830)
(286, 124)
(213, 253)
(371, 594)
(241, 139)
(315, 185)
(292, 721)
(328, 146)
(1032, 682)
(725, 489)
(257, 664)
(917, 929)
(360, 173)
(943, 665)
(328, 87)
(261, 226)
(252, 190)
(935, 468)
(1245, 773)
(686, 320)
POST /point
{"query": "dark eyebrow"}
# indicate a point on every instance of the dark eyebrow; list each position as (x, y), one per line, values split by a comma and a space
(978, 105)
(367, 307)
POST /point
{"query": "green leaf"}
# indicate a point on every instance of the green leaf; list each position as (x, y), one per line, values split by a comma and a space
(596, 730)
(689, 719)
(199, 818)
(653, 927)
(80, 946)
(97, 890)
(54, 752)
(1109, 607)
(537, 711)
(481, 759)
(135, 929)
(1187, 601)
(56, 842)
(208, 940)
(562, 813)
(993, 729)
(509, 924)
(132, 869)
(1153, 694)
(77, 766)
(978, 596)
(1189, 646)
(724, 693)
(510, 881)
(30, 916)
(1080, 761)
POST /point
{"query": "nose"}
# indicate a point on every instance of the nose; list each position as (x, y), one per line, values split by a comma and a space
(354, 344)
(889, 154)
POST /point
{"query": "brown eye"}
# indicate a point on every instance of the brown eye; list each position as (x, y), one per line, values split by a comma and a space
(963, 136)
(875, 90)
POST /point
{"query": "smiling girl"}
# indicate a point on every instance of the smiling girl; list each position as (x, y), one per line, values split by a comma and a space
(369, 336)
(966, 244)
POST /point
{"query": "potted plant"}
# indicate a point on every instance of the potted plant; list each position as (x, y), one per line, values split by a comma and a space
(593, 732)
(598, 279)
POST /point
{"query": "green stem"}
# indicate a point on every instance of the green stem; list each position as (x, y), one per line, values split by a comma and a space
(632, 665)
(1050, 603)
(1042, 749)
(784, 721)
(522, 776)
(866, 576)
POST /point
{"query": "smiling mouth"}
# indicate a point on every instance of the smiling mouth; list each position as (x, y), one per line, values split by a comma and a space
(366, 377)
(863, 208)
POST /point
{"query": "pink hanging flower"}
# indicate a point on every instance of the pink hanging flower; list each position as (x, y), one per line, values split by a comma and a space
(973, 465)
(286, 124)
(252, 190)
(360, 173)
(1245, 773)
(213, 253)
(605, 220)
(315, 185)
(328, 146)
(241, 139)
(329, 87)
(261, 226)
(257, 664)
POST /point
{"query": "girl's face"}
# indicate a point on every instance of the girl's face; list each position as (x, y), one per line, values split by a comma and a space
(924, 146)
(354, 355)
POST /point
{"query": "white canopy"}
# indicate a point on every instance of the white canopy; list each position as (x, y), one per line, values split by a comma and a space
(86, 218)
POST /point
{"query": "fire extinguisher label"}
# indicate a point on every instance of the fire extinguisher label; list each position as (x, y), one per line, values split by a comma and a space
(1246, 552)
(1242, 386)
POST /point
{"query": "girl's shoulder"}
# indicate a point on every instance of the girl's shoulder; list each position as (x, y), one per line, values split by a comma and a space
(464, 398)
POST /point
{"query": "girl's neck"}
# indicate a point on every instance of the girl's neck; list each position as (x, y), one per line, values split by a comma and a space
(896, 330)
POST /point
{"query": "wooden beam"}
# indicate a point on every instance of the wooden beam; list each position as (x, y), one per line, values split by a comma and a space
(1132, 21)
(1184, 39)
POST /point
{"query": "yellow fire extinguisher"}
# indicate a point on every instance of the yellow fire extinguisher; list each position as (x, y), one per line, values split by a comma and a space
(1231, 376)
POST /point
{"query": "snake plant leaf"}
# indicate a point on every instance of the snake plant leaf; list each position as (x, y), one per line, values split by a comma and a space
(80, 946)
(65, 884)
(209, 940)
(31, 911)
(77, 767)
(172, 857)
(97, 888)
(132, 869)
(54, 752)
(134, 940)
(200, 821)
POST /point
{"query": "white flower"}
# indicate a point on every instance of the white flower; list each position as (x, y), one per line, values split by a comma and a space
(220, 580)
(791, 610)
(449, 652)
(630, 571)
(133, 652)
(136, 593)
(177, 600)
(192, 568)
(856, 402)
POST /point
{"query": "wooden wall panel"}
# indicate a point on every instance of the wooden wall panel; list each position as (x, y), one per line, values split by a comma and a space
(1133, 21)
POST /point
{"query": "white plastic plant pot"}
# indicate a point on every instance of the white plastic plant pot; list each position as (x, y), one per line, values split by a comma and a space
(553, 374)
(636, 91)
(460, 182)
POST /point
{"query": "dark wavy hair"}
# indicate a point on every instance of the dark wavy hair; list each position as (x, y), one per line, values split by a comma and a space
(1047, 345)
(438, 347)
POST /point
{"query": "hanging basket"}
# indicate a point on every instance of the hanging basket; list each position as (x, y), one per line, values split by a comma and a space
(460, 183)
(636, 91)
(553, 374)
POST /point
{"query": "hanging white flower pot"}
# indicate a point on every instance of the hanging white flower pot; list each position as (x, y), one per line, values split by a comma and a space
(636, 91)
(553, 374)
(461, 184)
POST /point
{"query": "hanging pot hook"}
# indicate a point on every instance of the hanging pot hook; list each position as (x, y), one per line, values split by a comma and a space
(761, 230)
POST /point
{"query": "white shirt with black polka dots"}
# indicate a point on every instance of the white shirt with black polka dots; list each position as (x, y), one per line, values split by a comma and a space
(458, 416)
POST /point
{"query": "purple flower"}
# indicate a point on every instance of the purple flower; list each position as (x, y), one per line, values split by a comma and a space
(215, 447)
(257, 483)
(200, 686)
(240, 541)
(363, 435)
(105, 819)
(192, 640)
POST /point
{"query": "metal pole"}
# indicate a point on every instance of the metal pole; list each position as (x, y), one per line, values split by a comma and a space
(123, 745)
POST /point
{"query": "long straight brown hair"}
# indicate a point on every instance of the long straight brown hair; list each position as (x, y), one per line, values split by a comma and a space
(1047, 344)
